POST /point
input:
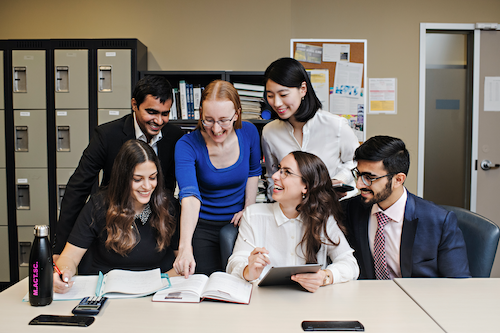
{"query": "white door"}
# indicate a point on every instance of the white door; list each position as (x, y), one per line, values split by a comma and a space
(488, 133)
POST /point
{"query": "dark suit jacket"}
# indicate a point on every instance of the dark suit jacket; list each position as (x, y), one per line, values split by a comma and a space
(100, 155)
(432, 245)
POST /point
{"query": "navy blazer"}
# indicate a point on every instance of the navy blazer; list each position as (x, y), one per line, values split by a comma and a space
(100, 155)
(432, 245)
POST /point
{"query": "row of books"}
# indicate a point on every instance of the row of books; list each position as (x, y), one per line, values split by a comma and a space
(186, 101)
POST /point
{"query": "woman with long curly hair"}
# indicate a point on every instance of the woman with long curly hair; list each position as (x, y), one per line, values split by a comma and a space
(302, 226)
(126, 225)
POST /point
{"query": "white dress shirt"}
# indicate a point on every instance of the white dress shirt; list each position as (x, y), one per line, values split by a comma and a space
(139, 135)
(325, 135)
(392, 232)
(265, 225)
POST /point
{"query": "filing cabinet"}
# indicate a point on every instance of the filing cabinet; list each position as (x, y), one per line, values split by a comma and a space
(53, 91)
(32, 197)
(30, 132)
(4, 254)
(71, 70)
(72, 132)
(114, 79)
(63, 175)
(25, 235)
(28, 86)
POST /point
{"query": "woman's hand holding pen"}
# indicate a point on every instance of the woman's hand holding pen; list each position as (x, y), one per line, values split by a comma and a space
(62, 280)
(257, 260)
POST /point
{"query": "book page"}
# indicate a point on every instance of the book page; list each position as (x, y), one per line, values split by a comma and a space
(182, 289)
(84, 286)
(132, 282)
(227, 287)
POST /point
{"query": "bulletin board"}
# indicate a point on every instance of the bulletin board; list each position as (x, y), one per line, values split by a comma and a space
(337, 68)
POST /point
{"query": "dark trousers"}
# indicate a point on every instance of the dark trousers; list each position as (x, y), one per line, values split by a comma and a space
(206, 247)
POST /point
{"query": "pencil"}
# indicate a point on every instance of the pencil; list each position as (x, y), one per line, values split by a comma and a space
(250, 243)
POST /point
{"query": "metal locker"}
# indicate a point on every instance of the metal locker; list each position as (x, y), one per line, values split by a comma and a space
(25, 237)
(3, 197)
(2, 100)
(30, 138)
(71, 79)
(114, 77)
(72, 136)
(63, 175)
(32, 197)
(4, 254)
(2, 138)
(28, 72)
(107, 115)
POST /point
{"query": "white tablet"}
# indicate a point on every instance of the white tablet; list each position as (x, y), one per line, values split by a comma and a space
(281, 274)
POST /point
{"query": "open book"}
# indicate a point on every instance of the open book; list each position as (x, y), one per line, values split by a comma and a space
(116, 283)
(220, 286)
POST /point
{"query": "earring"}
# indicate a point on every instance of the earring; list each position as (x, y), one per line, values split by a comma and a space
(303, 195)
(302, 97)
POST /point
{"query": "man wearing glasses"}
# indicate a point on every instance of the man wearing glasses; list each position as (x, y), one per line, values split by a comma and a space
(393, 232)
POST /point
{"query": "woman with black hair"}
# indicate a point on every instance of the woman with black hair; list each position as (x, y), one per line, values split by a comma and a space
(126, 225)
(302, 226)
(302, 125)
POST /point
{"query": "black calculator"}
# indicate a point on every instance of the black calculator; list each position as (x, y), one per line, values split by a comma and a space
(90, 306)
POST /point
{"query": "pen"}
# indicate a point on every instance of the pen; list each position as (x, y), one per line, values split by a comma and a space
(250, 243)
(57, 270)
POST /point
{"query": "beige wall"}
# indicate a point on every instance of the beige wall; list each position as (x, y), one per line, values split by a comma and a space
(248, 35)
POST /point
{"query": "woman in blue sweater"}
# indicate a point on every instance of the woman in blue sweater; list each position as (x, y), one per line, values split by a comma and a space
(217, 167)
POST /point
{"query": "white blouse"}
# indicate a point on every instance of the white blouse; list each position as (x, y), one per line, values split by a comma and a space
(265, 225)
(325, 135)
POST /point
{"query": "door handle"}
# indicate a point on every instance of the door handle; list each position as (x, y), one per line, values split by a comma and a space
(487, 165)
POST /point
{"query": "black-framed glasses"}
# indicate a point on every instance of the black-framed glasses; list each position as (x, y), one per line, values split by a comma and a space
(285, 172)
(365, 178)
(224, 123)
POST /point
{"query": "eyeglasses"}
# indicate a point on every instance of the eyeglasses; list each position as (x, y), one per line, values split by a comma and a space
(366, 179)
(224, 123)
(285, 172)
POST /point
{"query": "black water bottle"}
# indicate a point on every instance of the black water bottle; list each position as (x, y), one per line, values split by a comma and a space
(41, 287)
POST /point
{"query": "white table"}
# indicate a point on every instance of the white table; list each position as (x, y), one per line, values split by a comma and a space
(381, 306)
(458, 305)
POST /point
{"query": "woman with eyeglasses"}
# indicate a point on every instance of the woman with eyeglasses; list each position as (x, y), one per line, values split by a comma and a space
(302, 125)
(217, 167)
(302, 226)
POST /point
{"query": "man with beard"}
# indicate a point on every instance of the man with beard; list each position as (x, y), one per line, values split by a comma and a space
(151, 102)
(393, 232)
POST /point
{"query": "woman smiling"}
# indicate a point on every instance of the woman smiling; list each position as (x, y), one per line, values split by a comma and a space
(302, 226)
(217, 167)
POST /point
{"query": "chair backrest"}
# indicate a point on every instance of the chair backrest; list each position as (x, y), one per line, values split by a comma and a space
(227, 236)
(481, 237)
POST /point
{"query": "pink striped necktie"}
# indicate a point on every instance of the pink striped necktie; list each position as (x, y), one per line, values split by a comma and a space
(381, 272)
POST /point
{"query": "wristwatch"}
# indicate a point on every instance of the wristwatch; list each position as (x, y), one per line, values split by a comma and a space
(328, 278)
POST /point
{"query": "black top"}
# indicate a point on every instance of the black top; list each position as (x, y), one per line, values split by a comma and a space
(90, 233)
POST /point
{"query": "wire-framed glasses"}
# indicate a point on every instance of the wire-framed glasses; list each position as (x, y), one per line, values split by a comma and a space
(224, 123)
(365, 178)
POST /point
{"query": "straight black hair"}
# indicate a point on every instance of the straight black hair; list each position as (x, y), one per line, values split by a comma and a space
(391, 151)
(154, 85)
(290, 73)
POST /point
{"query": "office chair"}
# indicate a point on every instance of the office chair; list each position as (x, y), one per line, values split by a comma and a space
(227, 236)
(481, 239)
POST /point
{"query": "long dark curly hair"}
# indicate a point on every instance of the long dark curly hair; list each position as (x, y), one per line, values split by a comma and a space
(122, 238)
(319, 203)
